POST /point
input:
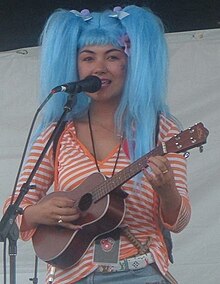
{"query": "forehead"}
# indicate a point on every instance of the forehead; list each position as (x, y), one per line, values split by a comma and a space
(100, 49)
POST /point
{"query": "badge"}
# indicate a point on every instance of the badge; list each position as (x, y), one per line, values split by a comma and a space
(106, 249)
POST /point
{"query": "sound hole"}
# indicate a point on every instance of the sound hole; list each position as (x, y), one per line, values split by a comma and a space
(85, 202)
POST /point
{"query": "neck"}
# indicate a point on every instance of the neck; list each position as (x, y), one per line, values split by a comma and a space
(103, 114)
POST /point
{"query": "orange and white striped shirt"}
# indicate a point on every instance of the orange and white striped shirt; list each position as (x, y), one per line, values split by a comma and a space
(75, 163)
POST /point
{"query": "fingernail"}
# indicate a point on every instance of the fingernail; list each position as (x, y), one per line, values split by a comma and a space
(149, 170)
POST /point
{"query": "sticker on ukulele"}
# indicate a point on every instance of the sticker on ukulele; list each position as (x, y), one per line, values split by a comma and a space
(106, 249)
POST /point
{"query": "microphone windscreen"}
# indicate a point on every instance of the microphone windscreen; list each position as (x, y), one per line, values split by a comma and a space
(90, 84)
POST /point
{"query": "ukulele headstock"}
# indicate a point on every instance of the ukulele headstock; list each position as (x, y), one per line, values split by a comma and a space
(192, 137)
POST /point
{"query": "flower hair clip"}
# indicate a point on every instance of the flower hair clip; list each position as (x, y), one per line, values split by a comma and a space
(124, 42)
(84, 14)
(119, 13)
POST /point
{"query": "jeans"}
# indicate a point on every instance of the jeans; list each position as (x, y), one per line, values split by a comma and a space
(146, 275)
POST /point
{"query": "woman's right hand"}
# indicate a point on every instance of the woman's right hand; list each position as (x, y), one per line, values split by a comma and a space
(54, 211)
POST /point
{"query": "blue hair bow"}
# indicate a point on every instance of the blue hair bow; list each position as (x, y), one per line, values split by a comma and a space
(84, 14)
(119, 13)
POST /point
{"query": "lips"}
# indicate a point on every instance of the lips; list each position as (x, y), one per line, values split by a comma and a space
(105, 82)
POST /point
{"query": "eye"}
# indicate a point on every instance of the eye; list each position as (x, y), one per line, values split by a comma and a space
(113, 57)
(87, 58)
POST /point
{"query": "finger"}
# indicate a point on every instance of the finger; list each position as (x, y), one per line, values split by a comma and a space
(148, 174)
(63, 202)
(163, 163)
(157, 179)
(70, 226)
(67, 211)
(68, 222)
(68, 219)
(157, 172)
(159, 164)
(147, 171)
(151, 177)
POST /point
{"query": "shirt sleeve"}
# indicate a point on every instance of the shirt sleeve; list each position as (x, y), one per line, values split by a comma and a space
(41, 181)
(168, 129)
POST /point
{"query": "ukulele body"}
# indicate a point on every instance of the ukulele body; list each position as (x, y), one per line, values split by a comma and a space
(63, 247)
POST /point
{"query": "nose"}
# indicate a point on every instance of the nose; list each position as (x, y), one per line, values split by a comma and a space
(100, 67)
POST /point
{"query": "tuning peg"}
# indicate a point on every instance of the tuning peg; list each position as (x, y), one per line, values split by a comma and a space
(186, 155)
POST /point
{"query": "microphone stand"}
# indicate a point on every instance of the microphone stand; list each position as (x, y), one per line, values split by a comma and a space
(35, 279)
(8, 227)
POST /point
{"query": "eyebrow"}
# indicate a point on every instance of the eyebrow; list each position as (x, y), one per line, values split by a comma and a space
(93, 52)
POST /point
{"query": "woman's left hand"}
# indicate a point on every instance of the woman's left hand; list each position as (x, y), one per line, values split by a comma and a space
(160, 175)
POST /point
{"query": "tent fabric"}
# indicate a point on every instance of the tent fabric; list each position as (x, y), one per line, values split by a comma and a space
(194, 86)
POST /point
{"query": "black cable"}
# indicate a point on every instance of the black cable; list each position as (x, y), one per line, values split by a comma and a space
(26, 145)
(18, 174)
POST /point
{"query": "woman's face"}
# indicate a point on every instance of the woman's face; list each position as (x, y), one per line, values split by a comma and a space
(109, 64)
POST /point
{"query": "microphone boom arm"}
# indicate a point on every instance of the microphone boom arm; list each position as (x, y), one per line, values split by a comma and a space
(13, 210)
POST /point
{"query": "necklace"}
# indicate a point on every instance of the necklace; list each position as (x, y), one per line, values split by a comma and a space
(93, 147)
(103, 126)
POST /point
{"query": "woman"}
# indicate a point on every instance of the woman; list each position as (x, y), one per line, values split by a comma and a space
(106, 131)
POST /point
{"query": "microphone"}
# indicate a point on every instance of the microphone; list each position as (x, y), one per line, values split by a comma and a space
(90, 84)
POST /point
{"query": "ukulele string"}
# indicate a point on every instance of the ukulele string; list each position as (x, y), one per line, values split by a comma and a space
(101, 186)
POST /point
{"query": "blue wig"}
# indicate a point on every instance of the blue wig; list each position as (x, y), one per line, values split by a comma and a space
(146, 85)
(144, 95)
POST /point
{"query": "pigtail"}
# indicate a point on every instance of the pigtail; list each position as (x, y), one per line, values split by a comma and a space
(145, 89)
(58, 59)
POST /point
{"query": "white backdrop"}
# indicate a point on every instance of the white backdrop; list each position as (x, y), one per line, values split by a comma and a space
(194, 86)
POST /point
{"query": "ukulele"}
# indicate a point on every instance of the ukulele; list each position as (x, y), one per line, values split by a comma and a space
(102, 204)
